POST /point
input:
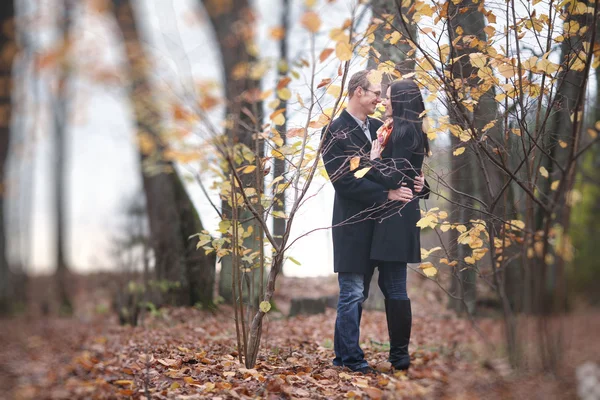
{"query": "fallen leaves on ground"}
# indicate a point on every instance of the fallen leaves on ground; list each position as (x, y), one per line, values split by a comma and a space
(191, 354)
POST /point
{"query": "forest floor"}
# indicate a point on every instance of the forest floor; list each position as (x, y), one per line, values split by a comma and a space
(186, 353)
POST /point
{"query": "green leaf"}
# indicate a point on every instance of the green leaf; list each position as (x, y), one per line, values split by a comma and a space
(279, 214)
(224, 226)
(265, 306)
(294, 261)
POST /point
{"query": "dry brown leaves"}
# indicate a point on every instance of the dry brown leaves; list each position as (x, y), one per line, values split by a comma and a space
(189, 354)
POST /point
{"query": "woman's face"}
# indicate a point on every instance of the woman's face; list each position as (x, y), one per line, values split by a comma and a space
(387, 103)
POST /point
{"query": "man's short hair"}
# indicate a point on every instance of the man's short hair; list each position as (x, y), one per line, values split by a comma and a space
(359, 79)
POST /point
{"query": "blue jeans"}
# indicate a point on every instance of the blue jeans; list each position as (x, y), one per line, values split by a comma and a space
(392, 280)
(354, 290)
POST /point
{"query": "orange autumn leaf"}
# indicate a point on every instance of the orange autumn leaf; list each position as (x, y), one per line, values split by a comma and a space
(283, 82)
(311, 21)
(325, 54)
(324, 82)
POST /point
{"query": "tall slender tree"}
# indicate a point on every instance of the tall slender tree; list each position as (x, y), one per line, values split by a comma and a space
(465, 18)
(279, 164)
(232, 24)
(400, 54)
(561, 142)
(172, 215)
(8, 47)
(61, 112)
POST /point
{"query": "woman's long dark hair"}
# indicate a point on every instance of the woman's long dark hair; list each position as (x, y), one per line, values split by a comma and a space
(407, 110)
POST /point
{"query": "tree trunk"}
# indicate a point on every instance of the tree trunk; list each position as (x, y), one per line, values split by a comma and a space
(171, 213)
(559, 142)
(8, 47)
(232, 23)
(279, 164)
(382, 50)
(61, 124)
(464, 177)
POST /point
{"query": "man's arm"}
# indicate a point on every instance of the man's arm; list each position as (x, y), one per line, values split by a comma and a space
(337, 164)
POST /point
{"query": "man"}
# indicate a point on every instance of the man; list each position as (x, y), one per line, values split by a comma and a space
(349, 136)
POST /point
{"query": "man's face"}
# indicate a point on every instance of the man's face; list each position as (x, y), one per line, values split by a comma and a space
(387, 104)
(369, 97)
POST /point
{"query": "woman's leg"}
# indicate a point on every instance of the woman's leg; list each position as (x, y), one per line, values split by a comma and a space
(392, 281)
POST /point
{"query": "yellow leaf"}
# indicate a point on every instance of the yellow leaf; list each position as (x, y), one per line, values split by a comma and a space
(274, 103)
(562, 144)
(248, 169)
(284, 94)
(458, 151)
(425, 253)
(574, 197)
(506, 70)
(478, 60)
(354, 163)
(469, 260)
(554, 185)
(465, 238)
(478, 254)
(544, 172)
(445, 227)
(375, 77)
(345, 376)
(343, 51)
(547, 66)
(443, 215)
(571, 27)
(338, 35)
(517, 223)
(476, 243)
(429, 220)
(490, 31)
(388, 67)
(428, 269)
(265, 306)
(593, 134)
(123, 382)
(530, 63)
(191, 381)
(361, 172)
(334, 90)
(311, 21)
(464, 136)
(461, 228)
(394, 37)
(489, 126)
(279, 119)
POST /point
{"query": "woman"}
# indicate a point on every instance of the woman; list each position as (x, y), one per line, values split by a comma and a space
(397, 158)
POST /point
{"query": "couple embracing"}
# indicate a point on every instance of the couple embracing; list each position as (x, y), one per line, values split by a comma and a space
(375, 217)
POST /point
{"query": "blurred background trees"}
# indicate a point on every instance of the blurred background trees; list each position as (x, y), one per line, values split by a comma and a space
(223, 103)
